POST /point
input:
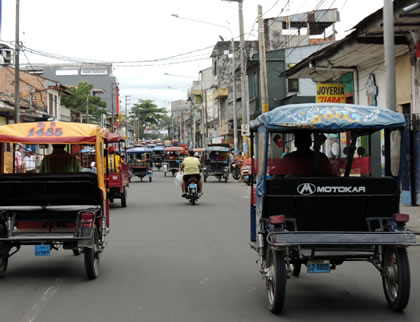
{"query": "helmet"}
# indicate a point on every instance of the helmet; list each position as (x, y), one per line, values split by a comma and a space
(197, 155)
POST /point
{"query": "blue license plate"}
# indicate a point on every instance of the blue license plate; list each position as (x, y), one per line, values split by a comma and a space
(42, 250)
(193, 186)
(321, 266)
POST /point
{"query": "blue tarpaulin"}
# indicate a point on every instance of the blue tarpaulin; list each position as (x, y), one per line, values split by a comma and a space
(328, 117)
(217, 149)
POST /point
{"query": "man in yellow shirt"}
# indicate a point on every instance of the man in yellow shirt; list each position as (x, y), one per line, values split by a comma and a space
(191, 167)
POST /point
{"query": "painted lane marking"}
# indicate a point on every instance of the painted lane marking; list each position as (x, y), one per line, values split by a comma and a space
(39, 305)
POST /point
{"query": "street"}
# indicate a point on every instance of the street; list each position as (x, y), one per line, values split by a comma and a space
(167, 260)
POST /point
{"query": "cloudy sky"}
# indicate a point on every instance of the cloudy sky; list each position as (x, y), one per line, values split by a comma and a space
(155, 56)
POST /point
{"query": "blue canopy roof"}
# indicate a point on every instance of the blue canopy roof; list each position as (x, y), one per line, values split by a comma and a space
(158, 148)
(328, 117)
(217, 148)
(139, 150)
(89, 149)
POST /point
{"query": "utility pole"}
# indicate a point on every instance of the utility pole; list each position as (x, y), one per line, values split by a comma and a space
(127, 99)
(263, 62)
(244, 88)
(389, 47)
(17, 68)
(235, 118)
(87, 108)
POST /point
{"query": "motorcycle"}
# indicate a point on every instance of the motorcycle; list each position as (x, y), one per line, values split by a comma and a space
(192, 191)
(246, 174)
(235, 169)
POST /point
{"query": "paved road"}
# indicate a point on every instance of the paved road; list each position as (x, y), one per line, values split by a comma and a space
(169, 261)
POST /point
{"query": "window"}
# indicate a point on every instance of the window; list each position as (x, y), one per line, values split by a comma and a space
(52, 105)
(293, 85)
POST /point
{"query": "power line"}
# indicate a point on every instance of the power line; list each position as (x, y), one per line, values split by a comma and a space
(90, 61)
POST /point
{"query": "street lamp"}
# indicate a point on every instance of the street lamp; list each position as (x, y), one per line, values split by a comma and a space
(167, 74)
(235, 125)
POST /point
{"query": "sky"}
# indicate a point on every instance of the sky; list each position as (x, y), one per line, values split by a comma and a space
(155, 55)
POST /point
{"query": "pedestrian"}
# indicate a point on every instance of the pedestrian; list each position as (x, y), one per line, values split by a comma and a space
(19, 167)
(29, 162)
(335, 149)
(286, 151)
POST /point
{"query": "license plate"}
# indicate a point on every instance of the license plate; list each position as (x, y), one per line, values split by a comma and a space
(319, 266)
(193, 186)
(42, 250)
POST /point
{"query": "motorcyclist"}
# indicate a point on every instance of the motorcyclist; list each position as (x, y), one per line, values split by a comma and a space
(191, 167)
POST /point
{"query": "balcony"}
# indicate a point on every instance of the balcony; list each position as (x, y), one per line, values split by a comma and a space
(221, 93)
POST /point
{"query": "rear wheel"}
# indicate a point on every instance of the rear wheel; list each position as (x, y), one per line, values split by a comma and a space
(124, 198)
(396, 277)
(92, 258)
(77, 251)
(276, 278)
(164, 174)
(205, 178)
(150, 179)
(4, 252)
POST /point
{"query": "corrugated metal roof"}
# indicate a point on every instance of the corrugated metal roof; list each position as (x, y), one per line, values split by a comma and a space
(364, 46)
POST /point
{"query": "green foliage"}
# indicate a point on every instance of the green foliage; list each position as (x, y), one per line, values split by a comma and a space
(76, 101)
(146, 114)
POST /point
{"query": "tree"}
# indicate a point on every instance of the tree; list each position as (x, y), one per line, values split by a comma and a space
(145, 114)
(76, 101)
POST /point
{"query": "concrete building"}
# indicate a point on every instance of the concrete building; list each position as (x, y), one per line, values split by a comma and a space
(99, 75)
(40, 98)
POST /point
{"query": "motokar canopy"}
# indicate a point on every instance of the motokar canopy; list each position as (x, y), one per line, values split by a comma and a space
(115, 138)
(59, 133)
(174, 149)
(139, 150)
(329, 117)
(52, 132)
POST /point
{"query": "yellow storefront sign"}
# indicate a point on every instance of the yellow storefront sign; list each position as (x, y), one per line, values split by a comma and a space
(330, 93)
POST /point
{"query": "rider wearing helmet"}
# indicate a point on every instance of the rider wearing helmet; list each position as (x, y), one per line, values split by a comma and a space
(191, 167)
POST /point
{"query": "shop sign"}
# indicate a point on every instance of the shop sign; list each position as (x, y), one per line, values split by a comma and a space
(330, 93)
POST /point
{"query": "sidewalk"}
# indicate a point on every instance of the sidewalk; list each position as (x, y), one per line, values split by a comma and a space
(414, 212)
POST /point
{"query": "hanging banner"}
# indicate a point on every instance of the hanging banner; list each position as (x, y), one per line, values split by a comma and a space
(330, 93)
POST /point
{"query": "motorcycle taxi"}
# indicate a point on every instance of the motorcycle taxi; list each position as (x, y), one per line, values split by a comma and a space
(172, 159)
(314, 208)
(216, 162)
(118, 170)
(158, 152)
(140, 162)
(62, 201)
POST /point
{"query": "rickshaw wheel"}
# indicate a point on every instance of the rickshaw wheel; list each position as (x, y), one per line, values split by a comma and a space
(296, 268)
(4, 252)
(92, 258)
(205, 178)
(124, 198)
(150, 179)
(396, 277)
(276, 279)
(164, 174)
(226, 179)
(77, 251)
